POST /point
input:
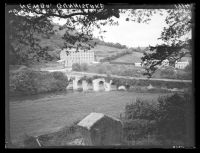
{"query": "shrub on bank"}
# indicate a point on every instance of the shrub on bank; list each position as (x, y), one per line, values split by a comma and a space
(28, 82)
(22, 82)
(80, 67)
(184, 75)
(173, 116)
(168, 73)
(136, 129)
(84, 67)
(141, 109)
(76, 67)
(167, 120)
(188, 68)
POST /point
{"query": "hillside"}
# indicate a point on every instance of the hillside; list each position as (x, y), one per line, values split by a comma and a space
(53, 43)
(130, 58)
(102, 51)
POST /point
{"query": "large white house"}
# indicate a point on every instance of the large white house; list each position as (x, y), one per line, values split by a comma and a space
(165, 63)
(71, 56)
(181, 65)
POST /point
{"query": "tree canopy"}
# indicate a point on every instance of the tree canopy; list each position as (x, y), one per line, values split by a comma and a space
(176, 37)
(27, 22)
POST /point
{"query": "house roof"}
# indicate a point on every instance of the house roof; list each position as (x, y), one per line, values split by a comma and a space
(90, 120)
(93, 118)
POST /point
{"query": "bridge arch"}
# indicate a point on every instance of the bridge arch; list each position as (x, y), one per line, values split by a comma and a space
(77, 82)
(85, 84)
(97, 83)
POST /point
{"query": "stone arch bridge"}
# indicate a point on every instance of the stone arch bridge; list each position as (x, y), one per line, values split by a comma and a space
(80, 82)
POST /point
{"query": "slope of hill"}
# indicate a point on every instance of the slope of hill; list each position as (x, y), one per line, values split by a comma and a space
(130, 58)
(55, 42)
(102, 51)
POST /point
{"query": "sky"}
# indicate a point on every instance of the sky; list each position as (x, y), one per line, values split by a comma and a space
(130, 33)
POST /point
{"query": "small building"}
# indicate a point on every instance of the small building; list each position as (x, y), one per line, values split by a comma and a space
(100, 129)
(138, 64)
(181, 65)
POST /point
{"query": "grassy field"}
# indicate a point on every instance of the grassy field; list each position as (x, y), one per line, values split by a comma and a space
(105, 51)
(131, 58)
(116, 69)
(41, 114)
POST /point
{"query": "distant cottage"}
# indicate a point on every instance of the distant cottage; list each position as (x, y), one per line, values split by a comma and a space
(181, 65)
(100, 129)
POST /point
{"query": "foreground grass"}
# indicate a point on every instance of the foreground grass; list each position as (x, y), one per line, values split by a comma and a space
(143, 123)
(47, 114)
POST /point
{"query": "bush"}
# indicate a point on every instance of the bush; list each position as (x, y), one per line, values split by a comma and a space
(84, 67)
(76, 67)
(168, 120)
(141, 109)
(101, 70)
(168, 73)
(137, 128)
(60, 76)
(28, 82)
(188, 68)
(22, 82)
(80, 67)
(172, 115)
(139, 120)
(184, 75)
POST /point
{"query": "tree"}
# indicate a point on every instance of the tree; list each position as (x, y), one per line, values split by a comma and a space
(26, 21)
(139, 49)
(176, 39)
(176, 36)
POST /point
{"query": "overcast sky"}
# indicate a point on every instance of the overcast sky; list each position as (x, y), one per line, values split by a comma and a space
(131, 33)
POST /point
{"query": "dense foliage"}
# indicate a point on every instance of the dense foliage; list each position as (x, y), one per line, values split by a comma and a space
(168, 119)
(80, 67)
(176, 37)
(172, 116)
(188, 68)
(25, 21)
(28, 82)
